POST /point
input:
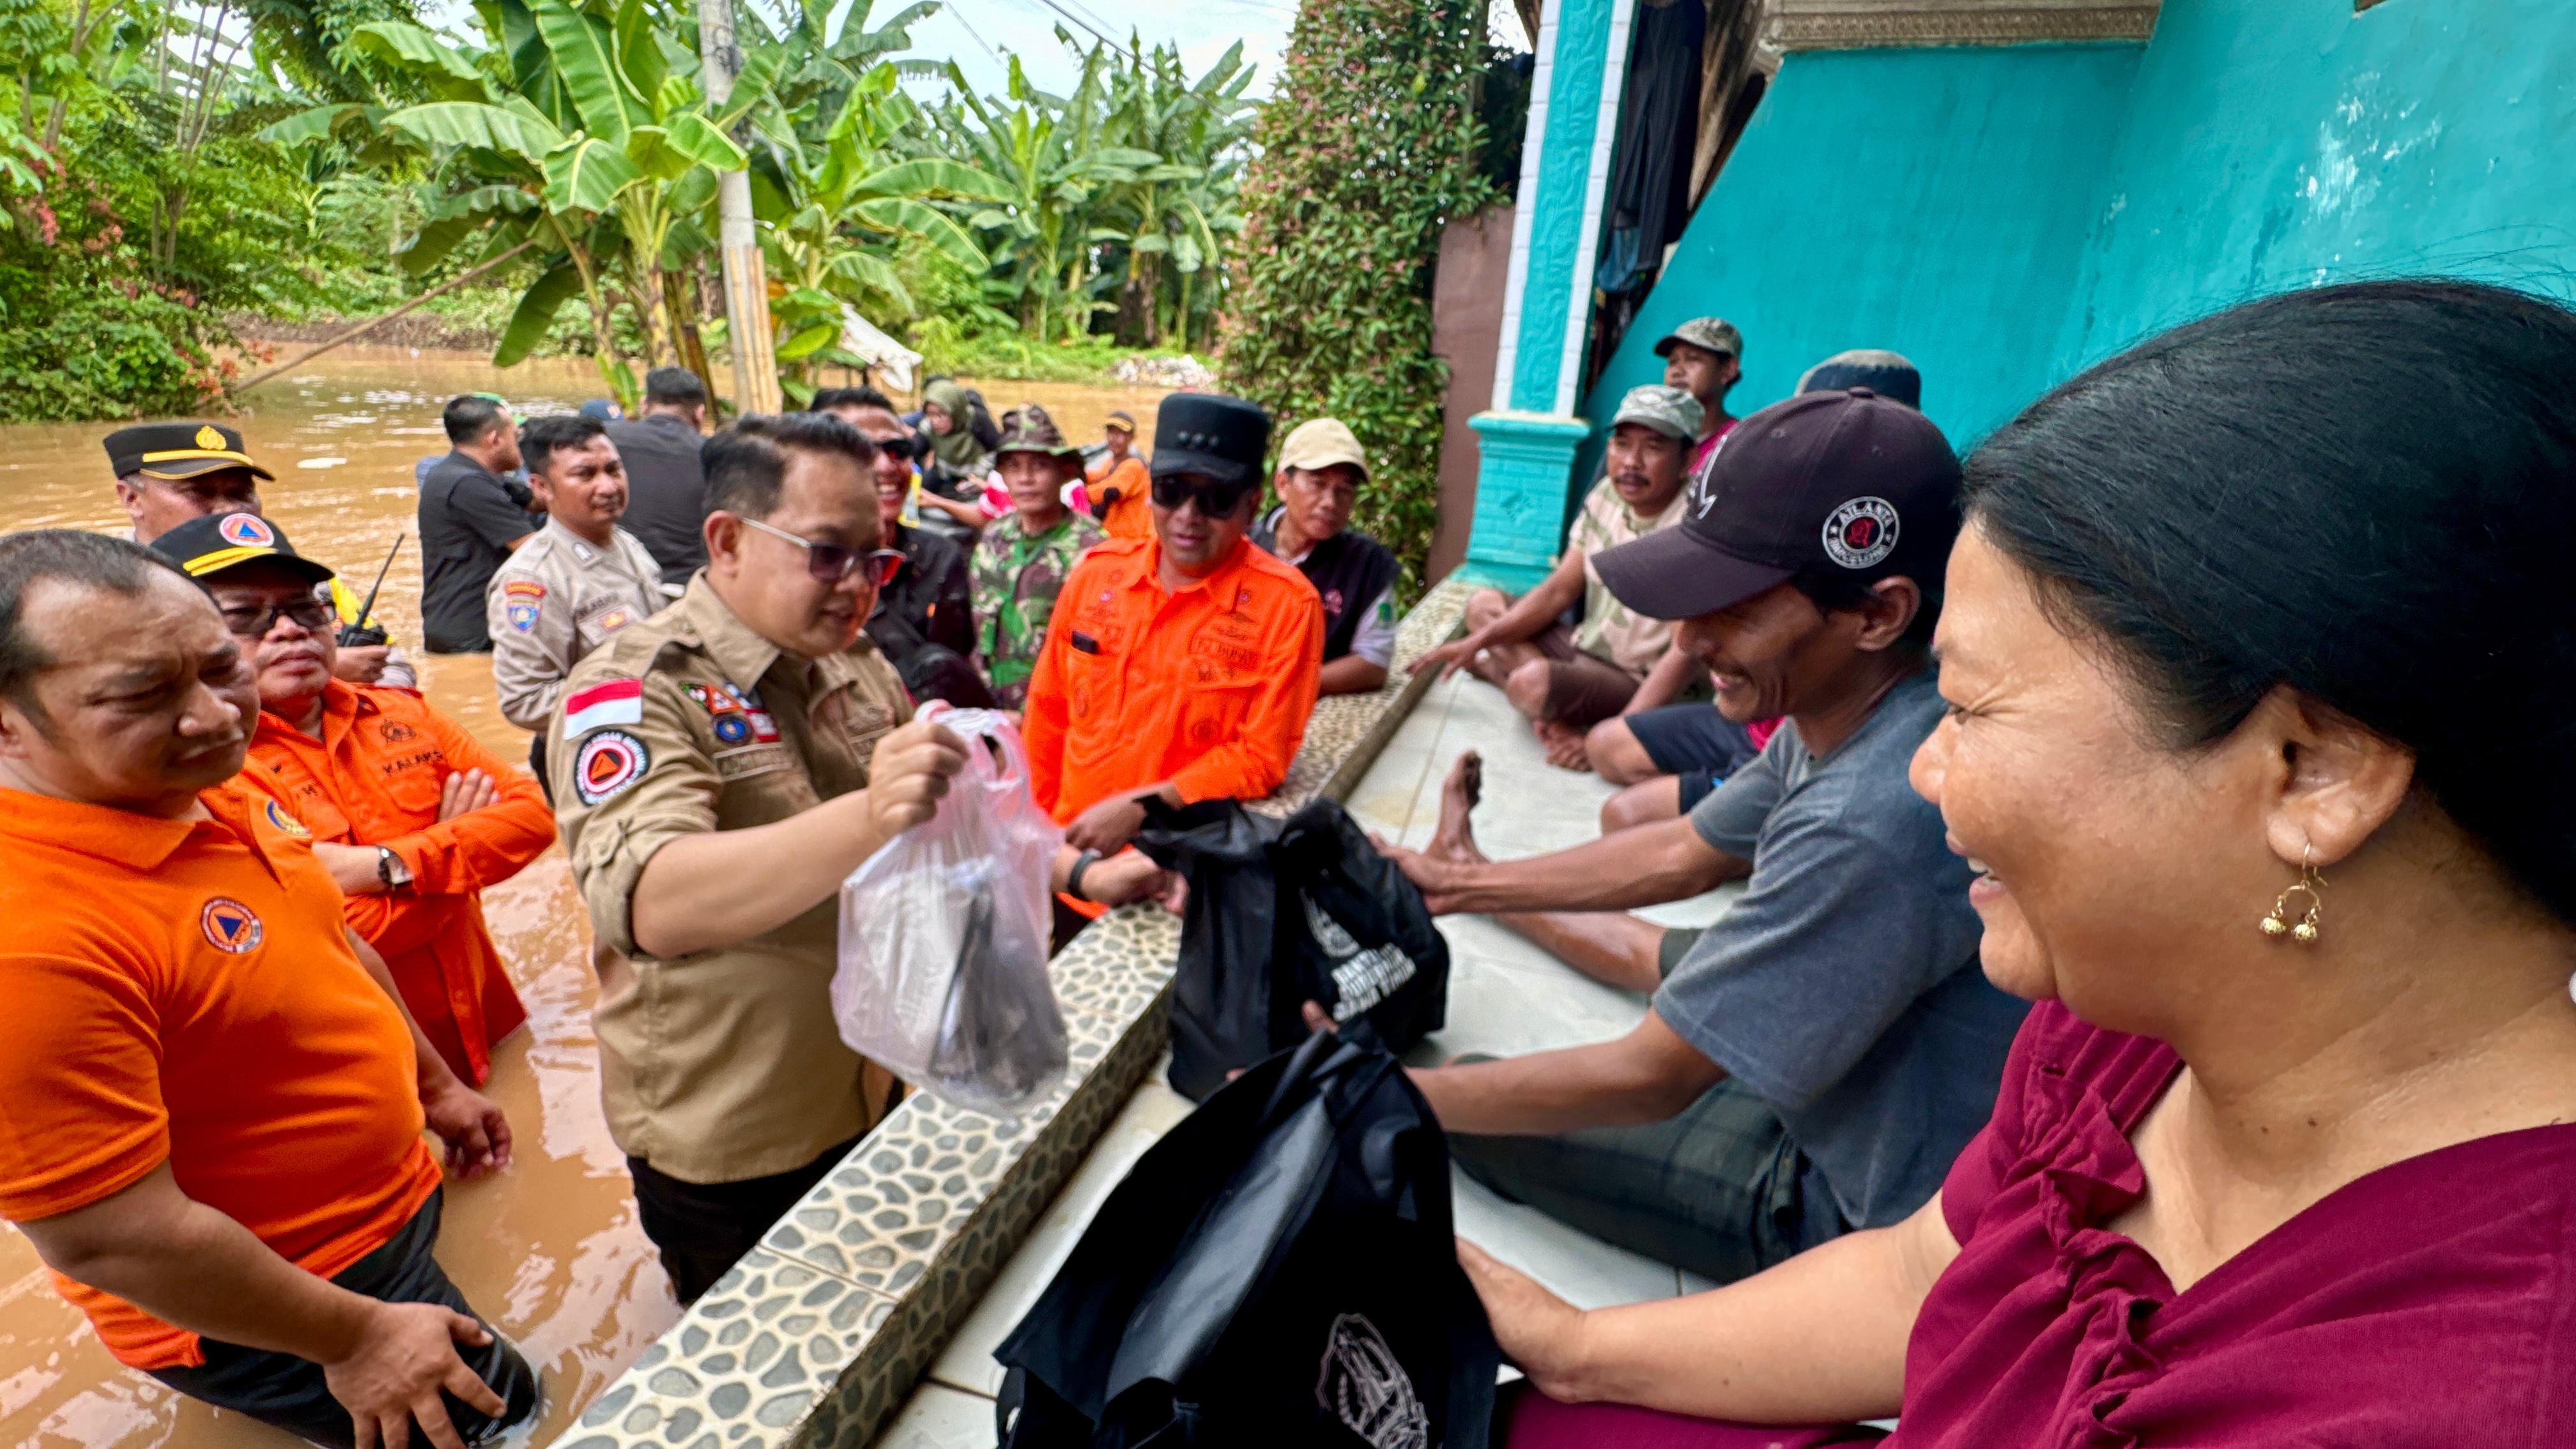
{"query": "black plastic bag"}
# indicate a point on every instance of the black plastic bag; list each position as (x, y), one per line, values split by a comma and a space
(1278, 1270)
(1283, 913)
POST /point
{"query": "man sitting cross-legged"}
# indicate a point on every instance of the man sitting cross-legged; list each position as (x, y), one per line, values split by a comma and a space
(1617, 661)
(1814, 1060)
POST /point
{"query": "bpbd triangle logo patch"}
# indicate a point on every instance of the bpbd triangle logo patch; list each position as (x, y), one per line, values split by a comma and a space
(230, 926)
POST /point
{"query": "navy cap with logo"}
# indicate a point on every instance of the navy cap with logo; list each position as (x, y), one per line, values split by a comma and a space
(204, 547)
(1848, 482)
(177, 450)
(1219, 437)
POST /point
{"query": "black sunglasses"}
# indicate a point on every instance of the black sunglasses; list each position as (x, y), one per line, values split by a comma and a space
(1216, 500)
(832, 562)
(254, 622)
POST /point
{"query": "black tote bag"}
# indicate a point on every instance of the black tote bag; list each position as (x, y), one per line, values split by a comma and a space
(1278, 1270)
(1283, 913)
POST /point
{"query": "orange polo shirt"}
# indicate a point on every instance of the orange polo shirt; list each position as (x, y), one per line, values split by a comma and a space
(1207, 686)
(1132, 516)
(184, 992)
(374, 779)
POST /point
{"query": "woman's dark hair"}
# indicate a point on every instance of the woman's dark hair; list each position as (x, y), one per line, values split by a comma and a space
(2366, 493)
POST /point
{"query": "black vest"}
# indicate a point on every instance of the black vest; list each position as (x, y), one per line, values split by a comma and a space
(1349, 570)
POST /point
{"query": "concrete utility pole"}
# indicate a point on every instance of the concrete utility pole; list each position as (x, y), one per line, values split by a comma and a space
(746, 279)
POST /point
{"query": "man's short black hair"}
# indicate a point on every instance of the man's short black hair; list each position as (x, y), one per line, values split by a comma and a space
(88, 560)
(746, 464)
(829, 398)
(542, 436)
(674, 387)
(471, 418)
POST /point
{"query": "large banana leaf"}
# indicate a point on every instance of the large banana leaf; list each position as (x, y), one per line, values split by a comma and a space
(585, 59)
(472, 123)
(439, 67)
(639, 54)
(809, 341)
(903, 214)
(697, 138)
(316, 124)
(865, 270)
(558, 284)
(933, 177)
(586, 174)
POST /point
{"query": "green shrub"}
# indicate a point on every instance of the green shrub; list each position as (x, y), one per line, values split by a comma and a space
(1371, 146)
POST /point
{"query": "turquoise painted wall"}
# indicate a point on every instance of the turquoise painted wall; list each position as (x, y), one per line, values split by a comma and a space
(1932, 201)
(1576, 70)
(2282, 143)
(2006, 215)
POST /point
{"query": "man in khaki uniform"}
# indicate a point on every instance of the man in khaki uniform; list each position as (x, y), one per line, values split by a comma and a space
(720, 768)
(564, 592)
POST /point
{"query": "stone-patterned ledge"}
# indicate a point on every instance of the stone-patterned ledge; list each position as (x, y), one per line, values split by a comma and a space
(1795, 25)
(818, 1336)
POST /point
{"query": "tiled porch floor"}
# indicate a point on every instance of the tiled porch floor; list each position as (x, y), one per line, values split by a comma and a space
(1505, 997)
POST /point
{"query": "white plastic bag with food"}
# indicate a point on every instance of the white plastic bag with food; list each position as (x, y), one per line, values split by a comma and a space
(943, 952)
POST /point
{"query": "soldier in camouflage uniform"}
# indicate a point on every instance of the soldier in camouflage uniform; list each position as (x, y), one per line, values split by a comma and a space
(1024, 557)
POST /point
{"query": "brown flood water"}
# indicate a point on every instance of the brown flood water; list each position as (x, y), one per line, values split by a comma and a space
(550, 1250)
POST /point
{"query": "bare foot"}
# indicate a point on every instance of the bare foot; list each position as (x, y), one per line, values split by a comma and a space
(1564, 745)
(1456, 838)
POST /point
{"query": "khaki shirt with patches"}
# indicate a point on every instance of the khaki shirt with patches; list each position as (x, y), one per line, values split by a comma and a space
(723, 1065)
(555, 600)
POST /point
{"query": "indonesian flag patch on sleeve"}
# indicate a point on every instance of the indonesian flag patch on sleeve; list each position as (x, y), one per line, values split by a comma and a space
(609, 702)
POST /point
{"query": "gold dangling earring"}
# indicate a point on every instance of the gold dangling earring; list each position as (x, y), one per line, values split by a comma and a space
(2311, 883)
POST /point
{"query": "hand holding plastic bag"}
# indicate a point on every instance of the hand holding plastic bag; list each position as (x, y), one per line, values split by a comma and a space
(943, 950)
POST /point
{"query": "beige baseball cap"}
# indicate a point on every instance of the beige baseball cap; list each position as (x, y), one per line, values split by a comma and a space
(1320, 443)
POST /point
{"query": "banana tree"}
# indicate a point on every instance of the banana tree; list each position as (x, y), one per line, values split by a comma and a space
(1051, 158)
(1177, 210)
(581, 123)
(832, 205)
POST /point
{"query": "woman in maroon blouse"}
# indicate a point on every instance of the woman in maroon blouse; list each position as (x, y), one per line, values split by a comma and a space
(2277, 599)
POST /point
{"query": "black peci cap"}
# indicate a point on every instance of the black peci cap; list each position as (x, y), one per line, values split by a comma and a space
(1220, 437)
(1849, 481)
(205, 547)
(178, 450)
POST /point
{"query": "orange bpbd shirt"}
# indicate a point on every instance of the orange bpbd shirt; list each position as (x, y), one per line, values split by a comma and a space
(1132, 516)
(184, 992)
(374, 779)
(1208, 686)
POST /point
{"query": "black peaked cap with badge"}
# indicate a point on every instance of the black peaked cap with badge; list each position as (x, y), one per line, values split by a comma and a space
(204, 547)
(178, 450)
(1845, 481)
(1210, 434)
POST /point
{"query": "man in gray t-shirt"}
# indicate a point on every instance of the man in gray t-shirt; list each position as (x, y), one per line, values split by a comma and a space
(1813, 1061)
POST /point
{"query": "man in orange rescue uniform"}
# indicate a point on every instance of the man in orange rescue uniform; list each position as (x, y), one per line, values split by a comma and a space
(211, 1098)
(408, 813)
(1181, 665)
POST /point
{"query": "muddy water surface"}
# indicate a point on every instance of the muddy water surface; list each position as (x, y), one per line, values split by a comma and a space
(550, 1250)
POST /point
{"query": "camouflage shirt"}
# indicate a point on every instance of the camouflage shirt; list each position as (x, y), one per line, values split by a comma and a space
(1015, 578)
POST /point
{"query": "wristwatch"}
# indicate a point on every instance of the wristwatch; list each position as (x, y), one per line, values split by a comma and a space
(390, 870)
(1073, 877)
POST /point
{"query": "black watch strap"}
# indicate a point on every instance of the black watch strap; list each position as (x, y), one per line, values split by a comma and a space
(1073, 877)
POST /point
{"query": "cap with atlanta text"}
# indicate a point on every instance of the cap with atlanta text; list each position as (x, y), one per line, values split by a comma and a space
(1848, 482)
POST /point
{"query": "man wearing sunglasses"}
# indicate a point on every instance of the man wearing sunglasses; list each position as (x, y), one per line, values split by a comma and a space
(924, 619)
(719, 769)
(412, 818)
(1181, 666)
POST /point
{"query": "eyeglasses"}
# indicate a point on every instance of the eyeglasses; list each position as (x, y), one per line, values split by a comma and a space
(1216, 500)
(253, 622)
(832, 562)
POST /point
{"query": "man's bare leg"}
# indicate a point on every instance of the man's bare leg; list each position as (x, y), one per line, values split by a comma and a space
(1611, 947)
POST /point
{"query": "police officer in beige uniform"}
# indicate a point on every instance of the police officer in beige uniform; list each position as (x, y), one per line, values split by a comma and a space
(581, 579)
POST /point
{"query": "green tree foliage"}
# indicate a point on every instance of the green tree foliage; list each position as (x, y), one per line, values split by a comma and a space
(136, 209)
(1370, 147)
(1119, 195)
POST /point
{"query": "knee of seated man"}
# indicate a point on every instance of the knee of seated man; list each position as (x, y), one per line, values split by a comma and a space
(1616, 755)
(1527, 686)
(1485, 606)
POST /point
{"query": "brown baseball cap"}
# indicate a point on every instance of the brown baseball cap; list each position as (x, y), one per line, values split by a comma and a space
(1846, 481)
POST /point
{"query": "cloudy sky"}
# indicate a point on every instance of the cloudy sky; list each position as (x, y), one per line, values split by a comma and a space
(976, 32)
